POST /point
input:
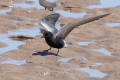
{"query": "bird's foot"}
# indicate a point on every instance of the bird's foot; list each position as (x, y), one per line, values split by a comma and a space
(45, 50)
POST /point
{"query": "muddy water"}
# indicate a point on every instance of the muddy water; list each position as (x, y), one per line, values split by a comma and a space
(94, 56)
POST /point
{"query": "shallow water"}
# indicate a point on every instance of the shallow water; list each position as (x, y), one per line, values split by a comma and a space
(15, 22)
(106, 4)
(85, 43)
(71, 14)
(113, 24)
(26, 5)
(12, 44)
(104, 51)
(63, 59)
(5, 11)
(98, 64)
(92, 72)
(15, 62)
(32, 32)
(67, 59)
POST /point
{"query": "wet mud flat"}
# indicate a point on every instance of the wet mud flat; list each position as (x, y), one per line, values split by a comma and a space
(95, 56)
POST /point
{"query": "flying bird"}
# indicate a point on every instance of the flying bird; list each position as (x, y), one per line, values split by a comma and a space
(48, 4)
(55, 38)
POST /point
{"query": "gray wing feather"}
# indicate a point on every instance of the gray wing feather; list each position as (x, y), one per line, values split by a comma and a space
(70, 26)
(48, 22)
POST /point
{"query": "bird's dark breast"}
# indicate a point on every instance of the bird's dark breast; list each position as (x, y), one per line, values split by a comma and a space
(55, 43)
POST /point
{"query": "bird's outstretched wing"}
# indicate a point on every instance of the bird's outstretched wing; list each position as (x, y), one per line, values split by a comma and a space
(48, 22)
(70, 26)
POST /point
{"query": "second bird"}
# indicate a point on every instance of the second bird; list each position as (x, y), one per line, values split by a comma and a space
(48, 4)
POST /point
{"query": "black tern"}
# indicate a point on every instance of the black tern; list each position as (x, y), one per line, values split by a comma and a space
(48, 4)
(55, 38)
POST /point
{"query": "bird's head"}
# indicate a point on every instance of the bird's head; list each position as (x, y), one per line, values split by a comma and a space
(47, 34)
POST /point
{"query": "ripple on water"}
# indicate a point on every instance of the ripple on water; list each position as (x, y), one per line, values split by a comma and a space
(15, 62)
(106, 4)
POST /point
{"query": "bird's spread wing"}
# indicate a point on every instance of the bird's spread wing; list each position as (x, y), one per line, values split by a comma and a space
(48, 22)
(70, 26)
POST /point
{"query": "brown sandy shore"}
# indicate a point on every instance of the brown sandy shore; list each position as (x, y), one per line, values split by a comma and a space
(48, 67)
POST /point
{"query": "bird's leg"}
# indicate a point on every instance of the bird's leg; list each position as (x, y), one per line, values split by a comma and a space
(48, 49)
(57, 52)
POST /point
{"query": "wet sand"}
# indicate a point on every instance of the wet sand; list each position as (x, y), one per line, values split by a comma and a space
(95, 56)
